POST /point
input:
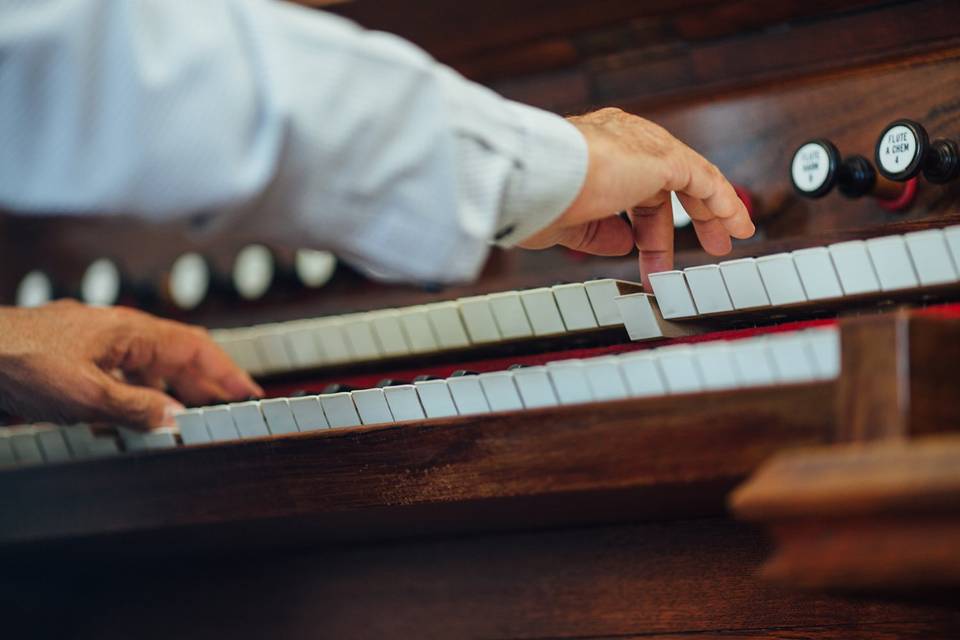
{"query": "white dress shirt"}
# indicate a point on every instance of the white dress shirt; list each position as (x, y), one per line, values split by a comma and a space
(294, 124)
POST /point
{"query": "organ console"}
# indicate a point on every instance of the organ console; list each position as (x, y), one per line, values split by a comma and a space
(759, 445)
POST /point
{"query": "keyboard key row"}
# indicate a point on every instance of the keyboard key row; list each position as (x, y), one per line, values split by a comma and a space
(441, 326)
(888, 263)
(46, 444)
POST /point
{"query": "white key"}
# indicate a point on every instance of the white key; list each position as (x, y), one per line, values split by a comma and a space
(825, 348)
(569, 381)
(372, 406)
(510, 316)
(272, 348)
(308, 413)
(389, 333)
(468, 395)
(78, 436)
(102, 448)
(673, 295)
(500, 390)
(641, 316)
(853, 267)
(416, 326)
(535, 388)
(25, 447)
(642, 374)
(53, 445)
(542, 311)
(753, 361)
(193, 428)
(716, 364)
(330, 335)
(447, 326)
(359, 334)
(404, 402)
(792, 357)
(240, 345)
(478, 319)
(279, 417)
(220, 424)
(305, 352)
(603, 376)
(744, 284)
(339, 409)
(249, 420)
(817, 274)
(435, 398)
(931, 257)
(892, 263)
(7, 458)
(134, 440)
(680, 373)
(952, 235)
(780, 279)
(574, 306)
(602, 294)
(708, 290)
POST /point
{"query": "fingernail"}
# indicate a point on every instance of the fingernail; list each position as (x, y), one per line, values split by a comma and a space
(169, 414)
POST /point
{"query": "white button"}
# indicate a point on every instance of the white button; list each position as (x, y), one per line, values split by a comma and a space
(249, 420)
(678, 368)
(501, 391)
(569, 381)
(825, 347)
(792, 357)
(744, 284)
(332, 340)
(445, 319)
(304, 351)
(642, 375)
(359, 334)
(417, 328)
(673, 296)
(810, 167)
(272, 348)
(716, 364)
(602, 294)
(931, 257)
(534, 386)
(753, 361)
(780, 279)
(339, 409)
(509, 314)
(53, 446)
(372, 406)
(253, 270)
(478, 319)
(278, 415)
(101, 283)
(193, 427)
(468, 395)
(189, 281)
(542, 311)
(574, 306)
(388, 332)
(308, 413)
(817, 273)
(603, 376)
(892, 263)
(640, 315)
(435, 398)
(35, 289)
(897, 149)
(708, 290)
(314, 268)
(853, 267)
(404, 402)
(220, 424)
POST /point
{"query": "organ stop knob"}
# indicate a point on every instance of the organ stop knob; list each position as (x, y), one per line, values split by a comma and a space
(187, 284)
(904, 150)
(102, 283)
(253, 271)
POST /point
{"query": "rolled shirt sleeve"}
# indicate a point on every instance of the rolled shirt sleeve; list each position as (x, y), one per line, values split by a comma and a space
(290, 124)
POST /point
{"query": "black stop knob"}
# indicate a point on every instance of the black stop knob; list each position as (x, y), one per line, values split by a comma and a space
(813, 170)
(904, 150)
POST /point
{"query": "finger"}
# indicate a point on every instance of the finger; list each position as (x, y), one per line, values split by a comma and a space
(713, 236)
(201, 391)
(606, 237)
(109, 400)
(653, 235)
(700, 179)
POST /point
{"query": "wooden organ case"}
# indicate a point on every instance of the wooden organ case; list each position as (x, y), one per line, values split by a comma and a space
(824, 506)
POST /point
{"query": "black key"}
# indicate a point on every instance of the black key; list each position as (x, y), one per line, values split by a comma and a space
(459, 373)
(390, 382)
(423, 377)
(336, 387)
(517, 366)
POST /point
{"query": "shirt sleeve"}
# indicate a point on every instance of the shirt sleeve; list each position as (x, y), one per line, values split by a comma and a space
(286, 123)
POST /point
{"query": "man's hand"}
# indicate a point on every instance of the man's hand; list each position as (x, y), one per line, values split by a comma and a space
(634, 164)
(66, 362)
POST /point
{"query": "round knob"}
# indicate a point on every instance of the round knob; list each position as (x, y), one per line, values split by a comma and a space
(34, 290)
(314, 268)
(189, 281)
(904, 150)
(856, 177)
(813, 170)
(253, 270)
(101, 283)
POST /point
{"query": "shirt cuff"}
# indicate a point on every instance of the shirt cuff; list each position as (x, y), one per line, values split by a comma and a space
(550, 172)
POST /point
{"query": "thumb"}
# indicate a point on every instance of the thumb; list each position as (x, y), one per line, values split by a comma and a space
(135, 406)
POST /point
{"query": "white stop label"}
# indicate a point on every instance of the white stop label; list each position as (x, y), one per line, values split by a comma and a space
(897, 149)
(811, 166)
